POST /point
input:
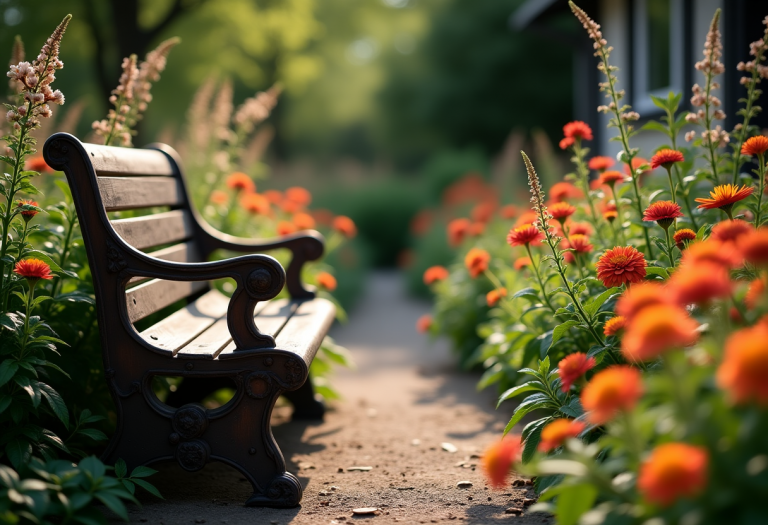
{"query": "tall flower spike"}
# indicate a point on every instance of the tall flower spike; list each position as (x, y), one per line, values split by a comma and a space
(17, 56)
(537, 199)
(122, 99)
(149, 72)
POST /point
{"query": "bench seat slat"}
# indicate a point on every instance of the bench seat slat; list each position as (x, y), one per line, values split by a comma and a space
(127, 193)
(185, 252)
(305, 331)
(154, 230)
(108, 160)
(154, 295)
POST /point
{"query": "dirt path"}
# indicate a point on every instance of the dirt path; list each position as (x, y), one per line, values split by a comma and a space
(401, 404)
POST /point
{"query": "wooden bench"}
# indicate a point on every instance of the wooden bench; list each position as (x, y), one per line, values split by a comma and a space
(143, 265)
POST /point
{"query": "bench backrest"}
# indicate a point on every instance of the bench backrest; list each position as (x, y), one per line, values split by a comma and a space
(136, 179)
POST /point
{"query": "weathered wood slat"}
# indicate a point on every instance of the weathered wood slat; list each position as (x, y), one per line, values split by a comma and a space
(182, 326)
(127, 193)
(306, 329)
(154, 295)
(184, 253)
(128, 161)
(154, 230)
(270, 320)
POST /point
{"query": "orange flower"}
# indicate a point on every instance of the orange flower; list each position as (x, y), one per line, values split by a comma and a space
(620, 265)
(27, 212)
(730, 231)
(725, 196)
(613, 390)
(713, 252)
(494, 296)
(671, 472)
(286, 228)
(345, 226)
(573, 131)
(663, 213)
(498, 459)
(33, 270)
(326, 280)
(524, 235)
(665, 158)
(580, 228)
(38, 164)
(476, 229)
(522, 262)
(322, 216)
(754, 247)
(699, 283)
(458, 230)
(476, 261)
(219, 197)
(424, 323)
(303, 221)
(610, 178)
(657, 329)
(744, 368)
(483, 212)
(422, 222)
(255, 203)
(755, 146)
(755, 293)
(555, 433)
(579, 244)
(640, 296)
(508, 212)
(637, 162)
(610, 215)
(572, 367)
(560, 211)
(683, 237)
(239, 181)
(614, 325)
(298, 195)
(434, 274)
(561, 191)
(274, 196)
(600, 163)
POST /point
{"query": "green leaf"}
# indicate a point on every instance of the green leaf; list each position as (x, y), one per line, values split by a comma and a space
(532, 437)
(527, 292)
(113, 503)
(56, 403)
(655, 270)
(531, 403)
(121, 469)
(573, 501)
(142, 472)
(560, 331)
(655, 126)
(573, 408)
(129, 485)
(96, 435)
(8, 369)
(594, 305)
(4, 402)
(517, 390)
(18, 452)
(148, 487)
(546, 342)
(93, 466)
(544, 366)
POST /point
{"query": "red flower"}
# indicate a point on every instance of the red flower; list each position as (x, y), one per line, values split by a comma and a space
(663, 213)
(699, 283)
(755, 293)
(458, 230)
(326, 280)
(434, 274)
(524, 235)
(555, 433)
(483, 212)
(508, 212)
(572, 367)
(755, 146)
(745, 365)
(672, 471)
(576, 130)
(424, 323)
(494, 296)
(522, 262)
(579, 244)
(683, 237)
(639, 297)
(657, 329)
(33, 270)
(38, 164)
(345, 226)
(610, 215)
(600, 163)
(255, 203)
(580, 228)
(730, 231)
(560, 211)
(637, 162)
(754, 246)
(665, 158)
(620, 265)
(241, 182)
(27, 212)
(477, 261)
(298, 195)
(561, 191)
(498, 459)
(610, 178)
(613, 390)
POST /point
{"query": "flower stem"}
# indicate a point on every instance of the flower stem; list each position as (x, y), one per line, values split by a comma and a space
(761, 189)
(538, 278)
(671, 184)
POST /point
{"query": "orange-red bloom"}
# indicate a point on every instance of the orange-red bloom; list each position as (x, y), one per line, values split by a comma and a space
(673, 471)
(614, 325)
(458, 230)
(561, 191)
(573, 131)
(580, 228)
(27, 212)
(610, 215)
(476, 229)
(572, 367)
(494, 296)
(754, 247)
(600, 163)
(424, 323)
(38, 164)
(755, 146)
(345, 226)
(640, 296)
(744, 369)
(477, 261)
(699, 283)
(730, 231)
(304, 221)
(508, 212)
(274, 196)
(241, 182)
(610, 178)
(524, 235)
(33, 270)
(529, 217)
(665, 158)
(555, 433)
(579, 243)
(683, 237)
(637, 162)
(522, 262)
(560, 211)
(755, 293)
(483, 211)
(613, 390)
(326, 280)
(712, 251)
(434, 274)
(663, 213)
(725, 196)
(255, 203)
(657, 329)
(299, 195)
(219, 197)
(498, 459)
(286, 228)
(620, 265)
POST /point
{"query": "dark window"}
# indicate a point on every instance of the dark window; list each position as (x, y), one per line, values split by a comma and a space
(658, 29)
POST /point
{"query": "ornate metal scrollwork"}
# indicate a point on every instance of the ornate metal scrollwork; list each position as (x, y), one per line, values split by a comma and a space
(115, 260)
(284, 490)
(193, 455)
(263, 283)
(258, 385)
(58, 150)
(293, 372)
(190, 421)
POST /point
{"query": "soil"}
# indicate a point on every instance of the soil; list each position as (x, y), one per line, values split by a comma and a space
(402, 407)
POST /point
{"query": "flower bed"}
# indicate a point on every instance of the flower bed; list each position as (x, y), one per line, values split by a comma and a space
(627, 314)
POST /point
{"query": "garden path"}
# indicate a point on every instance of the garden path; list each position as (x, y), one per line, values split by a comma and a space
(404, 400)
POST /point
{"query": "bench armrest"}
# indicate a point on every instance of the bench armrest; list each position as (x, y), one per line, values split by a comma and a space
(305, 246)
(258, 278)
